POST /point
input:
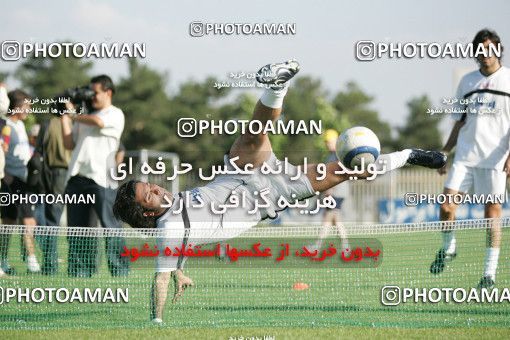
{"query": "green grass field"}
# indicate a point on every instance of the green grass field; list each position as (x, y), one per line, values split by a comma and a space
(234, 302)
(276, 333)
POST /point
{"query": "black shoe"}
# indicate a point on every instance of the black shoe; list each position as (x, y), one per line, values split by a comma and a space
(10, 271)
(486, 282)
(276, 75)
(442, 257)
(428, 159)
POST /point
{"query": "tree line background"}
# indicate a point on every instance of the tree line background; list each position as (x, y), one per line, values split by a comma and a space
(152, 113)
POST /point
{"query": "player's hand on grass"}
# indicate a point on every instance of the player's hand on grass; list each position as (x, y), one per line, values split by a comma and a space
(181, 283)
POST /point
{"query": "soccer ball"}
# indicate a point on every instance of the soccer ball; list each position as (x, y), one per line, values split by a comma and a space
(355, 144)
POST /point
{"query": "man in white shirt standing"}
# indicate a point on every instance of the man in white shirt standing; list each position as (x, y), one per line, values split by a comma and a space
(94, 139)
(482, 162)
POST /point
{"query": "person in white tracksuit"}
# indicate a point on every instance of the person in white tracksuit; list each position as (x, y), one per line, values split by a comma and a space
(139, 204)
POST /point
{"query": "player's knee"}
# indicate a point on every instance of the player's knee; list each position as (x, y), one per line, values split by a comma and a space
(164, 275)
(252, 142)
(493, 210)
(448, 209)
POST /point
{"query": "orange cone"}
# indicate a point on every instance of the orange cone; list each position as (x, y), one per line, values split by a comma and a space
(300, 286)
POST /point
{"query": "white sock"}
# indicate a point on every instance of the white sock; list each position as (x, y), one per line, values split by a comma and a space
(491, 262)
(449, 242)
(343, 236)
(345, 244)
(392, 161)
(274, 98)
(31, 259)
(317, 244)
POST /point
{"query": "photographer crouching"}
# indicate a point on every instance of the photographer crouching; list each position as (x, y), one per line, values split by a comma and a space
(94, 139)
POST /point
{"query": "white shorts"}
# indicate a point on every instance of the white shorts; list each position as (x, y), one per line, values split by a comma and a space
(477, 181)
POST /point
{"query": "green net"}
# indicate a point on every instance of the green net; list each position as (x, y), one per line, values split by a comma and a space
(251, 292)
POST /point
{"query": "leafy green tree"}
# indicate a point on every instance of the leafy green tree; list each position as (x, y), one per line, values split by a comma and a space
(152, 116)
(3, 76)
(142, 97)
(306, 100)
(354, 104)
(49, 77)
(421, 129)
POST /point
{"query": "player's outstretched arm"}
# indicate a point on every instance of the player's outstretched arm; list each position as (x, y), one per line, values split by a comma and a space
(454, 135)
(451, 142)
(160, 291)
(159, 295)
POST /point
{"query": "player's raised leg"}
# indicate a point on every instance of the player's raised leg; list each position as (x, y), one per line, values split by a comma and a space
(256, 148)
(386, 163)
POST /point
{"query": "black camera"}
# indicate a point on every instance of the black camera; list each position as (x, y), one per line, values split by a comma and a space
(80, 96)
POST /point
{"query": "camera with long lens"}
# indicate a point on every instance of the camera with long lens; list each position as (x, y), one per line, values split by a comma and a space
(80, 96)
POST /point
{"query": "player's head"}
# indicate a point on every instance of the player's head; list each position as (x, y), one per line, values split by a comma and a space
(330, 138)
(487, 37)
(139, 204)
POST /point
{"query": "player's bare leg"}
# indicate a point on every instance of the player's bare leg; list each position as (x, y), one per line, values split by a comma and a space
(251, 148)
(256, 148)
(493, 244)
(29, 241)
(331, 223)
(159, 295)
(385, 163)
(5, 238)
(448, 251)
(493, 211)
